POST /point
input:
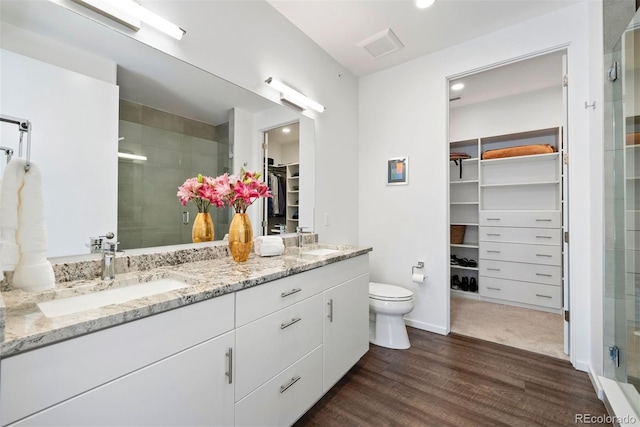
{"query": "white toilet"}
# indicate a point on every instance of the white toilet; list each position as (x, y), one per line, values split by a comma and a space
(387, 305)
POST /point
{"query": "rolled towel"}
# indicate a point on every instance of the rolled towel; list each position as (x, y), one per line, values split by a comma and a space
(261, 241)
(270, 250)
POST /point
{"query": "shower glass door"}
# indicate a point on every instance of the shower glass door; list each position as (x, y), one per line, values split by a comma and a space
(622, 208)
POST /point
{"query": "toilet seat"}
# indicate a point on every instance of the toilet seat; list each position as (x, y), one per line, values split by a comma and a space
(384, 292)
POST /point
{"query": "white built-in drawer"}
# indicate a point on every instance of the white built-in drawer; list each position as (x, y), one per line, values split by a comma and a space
(522, 292)
(282, 400)
(536, 219)
(538, 273)
(259, 301)
(270, 344)
(539, 236)
(516, 252)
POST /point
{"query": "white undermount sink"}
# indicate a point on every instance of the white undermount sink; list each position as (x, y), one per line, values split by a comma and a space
(64, 306)
(319, 252)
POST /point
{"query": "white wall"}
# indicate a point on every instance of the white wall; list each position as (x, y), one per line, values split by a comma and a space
(403, 111)
(61, 106)
(538, 109)
(245, 42)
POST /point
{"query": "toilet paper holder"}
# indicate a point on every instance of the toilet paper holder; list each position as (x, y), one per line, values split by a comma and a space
(419, 266)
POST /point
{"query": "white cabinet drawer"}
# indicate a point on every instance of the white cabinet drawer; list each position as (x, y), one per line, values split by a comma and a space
(259, 301)
(538, 273)
(537, 236)
(282, 400)
(534, 254)
(536, 219)
(269, 345)
(40, 378)
(522, 292)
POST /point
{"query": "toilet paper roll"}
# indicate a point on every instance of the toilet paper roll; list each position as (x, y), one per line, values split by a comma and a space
(417, 277)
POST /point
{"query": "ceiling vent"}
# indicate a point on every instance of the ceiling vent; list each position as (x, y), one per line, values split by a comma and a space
(381, 43)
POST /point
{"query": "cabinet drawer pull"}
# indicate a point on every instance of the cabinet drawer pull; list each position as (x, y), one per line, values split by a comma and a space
(493, 234)
(494, 289)
(493, 269)
(543, 219)
(330, 315)
(544, 255)
(544, 275)
(229, 373)
(493, 252)
(493, 219)
(291, 292)
(291, 322)
(543, 237)
(544, 296)
(294, 380)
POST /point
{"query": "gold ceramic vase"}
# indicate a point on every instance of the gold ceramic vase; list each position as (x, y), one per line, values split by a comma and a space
(240, 237)
(202, 228)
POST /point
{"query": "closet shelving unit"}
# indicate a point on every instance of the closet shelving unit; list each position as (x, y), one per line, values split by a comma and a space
(293, 196)
(517, 234)
(463, 209)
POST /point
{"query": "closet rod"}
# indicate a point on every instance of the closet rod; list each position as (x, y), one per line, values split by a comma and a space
(24, 126)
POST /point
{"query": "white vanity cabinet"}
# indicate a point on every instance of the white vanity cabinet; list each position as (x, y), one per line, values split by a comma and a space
(165, 369)
(308, 331)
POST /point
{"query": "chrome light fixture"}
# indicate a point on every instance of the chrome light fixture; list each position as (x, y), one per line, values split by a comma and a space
(294, 97)
(130, 13)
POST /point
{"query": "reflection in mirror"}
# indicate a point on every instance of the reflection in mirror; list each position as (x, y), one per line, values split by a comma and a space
(59, 71)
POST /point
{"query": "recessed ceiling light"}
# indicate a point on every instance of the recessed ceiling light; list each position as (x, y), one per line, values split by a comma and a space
(457, 86)
(423, 4)
(286, 130)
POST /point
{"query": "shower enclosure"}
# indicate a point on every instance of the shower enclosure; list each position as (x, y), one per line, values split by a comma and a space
(622, 197)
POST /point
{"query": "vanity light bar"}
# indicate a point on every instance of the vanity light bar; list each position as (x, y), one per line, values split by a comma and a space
(130, 13)
(293, 96)
(131, 156)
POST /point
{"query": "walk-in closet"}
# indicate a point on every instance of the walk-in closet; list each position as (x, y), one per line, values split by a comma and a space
(282, 174)
(507, 210)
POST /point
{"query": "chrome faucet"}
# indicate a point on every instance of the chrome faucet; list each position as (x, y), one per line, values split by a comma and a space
(300, 233)
(109, 251)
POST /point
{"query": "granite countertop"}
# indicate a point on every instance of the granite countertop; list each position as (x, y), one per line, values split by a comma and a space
(26, 327)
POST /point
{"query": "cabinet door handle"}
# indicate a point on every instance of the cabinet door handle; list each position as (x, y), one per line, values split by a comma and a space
(294, 380)
(493, 269)
(291, 292)
(291, 322)
(543, 219)
(493, 252)
(493, 234)
(543, 296)
(493, 289)
(493, 219)
(543, 275)
(544, 255)
(330, 315)
(229, 373)
(543, 237)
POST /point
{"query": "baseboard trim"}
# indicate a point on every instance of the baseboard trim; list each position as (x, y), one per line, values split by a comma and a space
(582, 366)
(595, 381)
(426, 327)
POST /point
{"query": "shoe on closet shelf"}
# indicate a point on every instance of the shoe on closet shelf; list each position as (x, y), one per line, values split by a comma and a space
(465, 284)
(471, 263)
(455, 282)
(455, 260)
(473, 285)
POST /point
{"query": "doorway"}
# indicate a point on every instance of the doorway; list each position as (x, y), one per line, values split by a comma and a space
(507, 199)
(281, 171)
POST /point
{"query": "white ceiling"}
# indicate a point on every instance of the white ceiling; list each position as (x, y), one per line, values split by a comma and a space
(339, 25)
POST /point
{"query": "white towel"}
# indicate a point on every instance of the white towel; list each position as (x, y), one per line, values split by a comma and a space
(12, 182)
(268, 246)
(33, 272)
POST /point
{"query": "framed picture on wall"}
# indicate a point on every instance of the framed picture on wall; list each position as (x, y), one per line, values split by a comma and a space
(398, 171)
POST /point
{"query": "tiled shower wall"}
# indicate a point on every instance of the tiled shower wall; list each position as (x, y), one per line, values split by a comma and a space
(177, 148)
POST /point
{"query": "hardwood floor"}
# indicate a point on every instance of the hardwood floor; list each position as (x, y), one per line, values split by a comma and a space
(456, 381)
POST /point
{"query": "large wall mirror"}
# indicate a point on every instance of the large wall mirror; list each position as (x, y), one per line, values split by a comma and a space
(96, 97)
